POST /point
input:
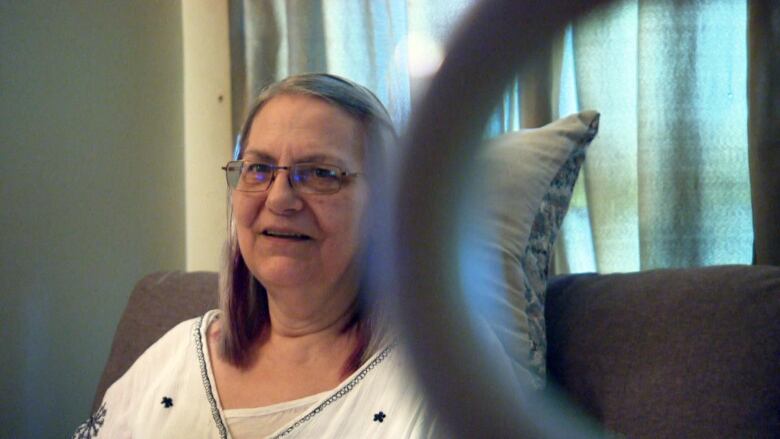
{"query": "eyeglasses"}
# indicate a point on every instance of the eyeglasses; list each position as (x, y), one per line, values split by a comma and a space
(306, 178)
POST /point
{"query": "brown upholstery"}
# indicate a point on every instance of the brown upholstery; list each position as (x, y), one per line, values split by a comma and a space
(689, 353)
(671, 353)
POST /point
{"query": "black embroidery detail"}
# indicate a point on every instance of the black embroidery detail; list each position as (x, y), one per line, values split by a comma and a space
(90, 428)
(341, 392)
(205, 378)
(379, 417)
(167, 402)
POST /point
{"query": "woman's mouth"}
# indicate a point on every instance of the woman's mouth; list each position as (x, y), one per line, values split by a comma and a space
(285, 235)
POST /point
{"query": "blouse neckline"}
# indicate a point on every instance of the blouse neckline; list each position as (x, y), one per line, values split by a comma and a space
(319, 405)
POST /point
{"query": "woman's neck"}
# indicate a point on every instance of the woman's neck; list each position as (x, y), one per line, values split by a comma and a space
(292, 359)
(323, 342)
(298, 312)
(309, 324)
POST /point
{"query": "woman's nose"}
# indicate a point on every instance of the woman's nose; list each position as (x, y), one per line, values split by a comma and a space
(282, 198)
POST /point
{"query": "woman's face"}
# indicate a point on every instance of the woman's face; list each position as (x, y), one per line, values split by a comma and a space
(290, 239)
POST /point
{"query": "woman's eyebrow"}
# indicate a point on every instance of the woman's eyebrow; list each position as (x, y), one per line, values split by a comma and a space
(320, 158)
(255, 155)
(259, 156)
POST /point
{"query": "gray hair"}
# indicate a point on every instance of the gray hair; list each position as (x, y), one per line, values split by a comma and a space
(349, 96)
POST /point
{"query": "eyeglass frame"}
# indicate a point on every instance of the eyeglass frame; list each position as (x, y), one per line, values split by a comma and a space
(342, 174)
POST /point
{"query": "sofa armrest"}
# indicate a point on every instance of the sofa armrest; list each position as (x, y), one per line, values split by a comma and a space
(158, 302)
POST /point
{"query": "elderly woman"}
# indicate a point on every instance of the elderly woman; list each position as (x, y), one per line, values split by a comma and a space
(293, 350)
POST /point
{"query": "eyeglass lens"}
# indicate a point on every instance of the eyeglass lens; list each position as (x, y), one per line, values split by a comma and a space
(304, 177)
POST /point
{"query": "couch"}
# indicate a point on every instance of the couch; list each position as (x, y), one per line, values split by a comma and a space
(677, 353)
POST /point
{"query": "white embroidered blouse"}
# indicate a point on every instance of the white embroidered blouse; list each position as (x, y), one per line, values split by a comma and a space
(169, 392)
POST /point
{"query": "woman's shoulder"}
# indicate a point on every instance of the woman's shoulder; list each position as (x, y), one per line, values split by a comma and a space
(187, 329)
(179, 342)
(176, 350)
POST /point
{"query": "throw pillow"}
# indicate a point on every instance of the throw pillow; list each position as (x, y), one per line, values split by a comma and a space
(508, 236)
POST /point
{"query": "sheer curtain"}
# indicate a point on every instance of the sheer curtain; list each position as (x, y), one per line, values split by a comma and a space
(764, 129)
(368, 42)
(666, 182)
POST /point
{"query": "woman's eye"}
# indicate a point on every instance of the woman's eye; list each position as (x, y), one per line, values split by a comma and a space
(325, 173)
(260, 168)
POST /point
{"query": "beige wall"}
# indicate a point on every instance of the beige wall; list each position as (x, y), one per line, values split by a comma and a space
(92, 191)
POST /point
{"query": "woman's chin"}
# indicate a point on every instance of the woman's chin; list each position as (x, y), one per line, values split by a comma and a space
(283, 271)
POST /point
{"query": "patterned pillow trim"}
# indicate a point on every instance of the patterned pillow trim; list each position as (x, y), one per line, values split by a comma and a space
(536, 259)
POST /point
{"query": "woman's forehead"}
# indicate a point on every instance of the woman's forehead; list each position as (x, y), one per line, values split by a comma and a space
(329, 157)
(304, 127)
